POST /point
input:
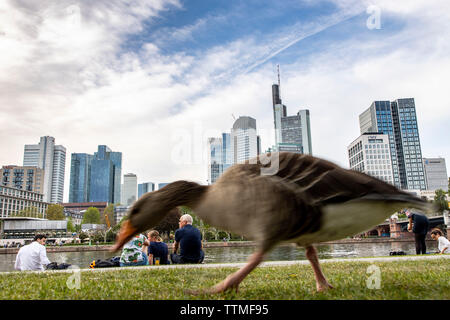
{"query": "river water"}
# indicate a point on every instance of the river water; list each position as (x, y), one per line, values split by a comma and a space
(241, 254)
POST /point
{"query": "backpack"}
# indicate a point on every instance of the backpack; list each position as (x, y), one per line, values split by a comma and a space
(56, 266)
(113, 262)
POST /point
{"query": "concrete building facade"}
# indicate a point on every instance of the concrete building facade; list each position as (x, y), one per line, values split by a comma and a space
(435, 173)
(370, 154)
(14, 200)
(129, 195)
(24, 178)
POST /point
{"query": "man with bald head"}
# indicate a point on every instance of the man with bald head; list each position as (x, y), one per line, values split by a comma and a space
(189, 239)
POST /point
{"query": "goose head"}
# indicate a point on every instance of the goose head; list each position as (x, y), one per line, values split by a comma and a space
(152, 207)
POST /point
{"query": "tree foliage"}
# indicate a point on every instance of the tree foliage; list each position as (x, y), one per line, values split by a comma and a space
(55, 212)
(31, 212)
(92, 215)
(440, 199)
(70, 226)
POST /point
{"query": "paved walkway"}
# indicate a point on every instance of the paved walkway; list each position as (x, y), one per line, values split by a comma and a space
(264, 264)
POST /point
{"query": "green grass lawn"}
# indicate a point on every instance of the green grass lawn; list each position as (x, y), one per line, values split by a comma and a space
(423, 279)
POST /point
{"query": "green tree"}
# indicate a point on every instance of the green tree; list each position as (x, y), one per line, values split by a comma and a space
(83, 235)
(440, 199)
(92, 215)
(55, 212)
(32, 212)
(70, 226)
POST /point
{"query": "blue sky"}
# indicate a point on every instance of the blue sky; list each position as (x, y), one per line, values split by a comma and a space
(154, 79)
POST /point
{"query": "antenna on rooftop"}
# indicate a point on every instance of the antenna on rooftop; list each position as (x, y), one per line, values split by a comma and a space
(278, 70)
(234, 118)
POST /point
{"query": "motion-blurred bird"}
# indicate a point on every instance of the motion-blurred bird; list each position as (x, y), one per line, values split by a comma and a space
(306, 201)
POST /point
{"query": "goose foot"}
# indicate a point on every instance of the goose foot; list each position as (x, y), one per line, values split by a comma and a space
(233, 280)
(230, 283)
(321, 287)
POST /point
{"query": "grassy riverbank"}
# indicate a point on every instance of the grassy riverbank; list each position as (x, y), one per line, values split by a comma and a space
(422, 279)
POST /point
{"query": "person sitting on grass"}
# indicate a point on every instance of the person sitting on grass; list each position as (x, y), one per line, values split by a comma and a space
(157, 249)
(189, 239)
(134, 252)
(33, 256)
(443, 243)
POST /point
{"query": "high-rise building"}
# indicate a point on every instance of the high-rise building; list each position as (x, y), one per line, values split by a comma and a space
(243, 139)
(370, 153)
(80, 177)
(129, 195)
(145, 187)
(227, 151)
(23, 178)
(106, 170)
(305, 127)
(398, 120)
(52, 158)
(435, 173)
(292, 133)
(215, 159)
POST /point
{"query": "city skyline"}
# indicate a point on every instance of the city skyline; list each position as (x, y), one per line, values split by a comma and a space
(126, 88)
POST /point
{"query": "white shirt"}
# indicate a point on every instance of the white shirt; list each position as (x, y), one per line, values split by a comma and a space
(33, 256)
(444, 243)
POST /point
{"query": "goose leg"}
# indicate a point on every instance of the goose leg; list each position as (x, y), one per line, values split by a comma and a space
(233, 280)
(321, 282)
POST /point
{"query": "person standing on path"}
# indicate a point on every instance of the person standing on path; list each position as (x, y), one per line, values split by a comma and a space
(418, 224)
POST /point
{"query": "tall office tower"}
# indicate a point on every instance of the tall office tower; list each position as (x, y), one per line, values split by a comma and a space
(279, 111)
(80, 177)
(215, 159)
(292, 133)
(52, 158)
(243, 139)
(106, 170)
(398, 120)
(145, 187)
(435, 173)
(370, 153)
(227, 151)
(129, 195)
(305, 125)
(23, 177)
(258, 145)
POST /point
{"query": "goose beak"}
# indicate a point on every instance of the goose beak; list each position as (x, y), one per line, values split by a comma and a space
(127, 231)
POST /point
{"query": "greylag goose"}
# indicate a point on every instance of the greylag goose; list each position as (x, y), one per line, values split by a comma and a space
(306, 201)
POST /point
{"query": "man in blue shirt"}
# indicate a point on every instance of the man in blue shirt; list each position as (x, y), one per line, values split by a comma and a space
(418, 223)
(189, 240)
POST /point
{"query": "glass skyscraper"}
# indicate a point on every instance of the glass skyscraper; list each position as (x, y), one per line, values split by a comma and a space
(145, 187)
(96, 178)
(398, 119)
(106, 174)
(80, 175)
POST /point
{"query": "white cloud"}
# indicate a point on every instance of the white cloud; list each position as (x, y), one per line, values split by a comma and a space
(77, 83)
